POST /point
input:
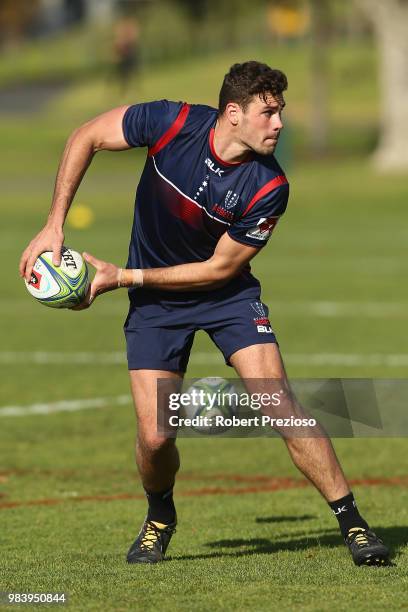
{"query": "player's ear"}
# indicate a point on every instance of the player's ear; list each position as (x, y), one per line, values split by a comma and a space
(233, 111)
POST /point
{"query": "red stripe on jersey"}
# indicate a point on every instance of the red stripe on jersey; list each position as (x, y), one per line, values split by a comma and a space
(172, 132)
(276, 182)
(188, 212)
(176, 202)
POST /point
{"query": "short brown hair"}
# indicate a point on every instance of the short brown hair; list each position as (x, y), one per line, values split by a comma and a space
(243, 81)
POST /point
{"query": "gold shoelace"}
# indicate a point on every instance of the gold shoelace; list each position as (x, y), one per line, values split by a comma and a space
(150, 536)
(361, 538)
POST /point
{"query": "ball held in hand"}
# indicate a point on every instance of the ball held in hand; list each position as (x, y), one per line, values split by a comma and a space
(59, 287)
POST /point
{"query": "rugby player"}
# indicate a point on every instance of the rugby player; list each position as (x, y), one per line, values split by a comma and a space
(210, 195)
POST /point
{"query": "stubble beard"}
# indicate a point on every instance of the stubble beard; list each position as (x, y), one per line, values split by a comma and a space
(265, 150)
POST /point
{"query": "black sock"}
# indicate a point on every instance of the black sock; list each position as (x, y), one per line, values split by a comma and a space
(346, 512)
(161, 506)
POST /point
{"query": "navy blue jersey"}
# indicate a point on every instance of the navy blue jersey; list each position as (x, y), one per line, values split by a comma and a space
(188, 197)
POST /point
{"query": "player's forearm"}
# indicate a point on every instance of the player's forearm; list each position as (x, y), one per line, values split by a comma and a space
(198, 276)
(75, 160)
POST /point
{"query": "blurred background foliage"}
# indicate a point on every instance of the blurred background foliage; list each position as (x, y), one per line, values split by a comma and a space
(50, 39)
(47, 44)
(332, 45)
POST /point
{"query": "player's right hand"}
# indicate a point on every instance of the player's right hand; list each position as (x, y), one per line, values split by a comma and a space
(50, 238)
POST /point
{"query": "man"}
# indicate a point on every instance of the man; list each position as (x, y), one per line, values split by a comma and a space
(126, 50)
(209, 197)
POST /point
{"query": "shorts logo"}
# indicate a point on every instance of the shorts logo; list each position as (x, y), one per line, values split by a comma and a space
(263, 228)
(259, 308)
(264, 329)
(261, 321)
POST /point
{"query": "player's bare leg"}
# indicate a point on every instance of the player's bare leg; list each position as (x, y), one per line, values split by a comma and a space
(158, 460)
(314, 456)
(157, 456)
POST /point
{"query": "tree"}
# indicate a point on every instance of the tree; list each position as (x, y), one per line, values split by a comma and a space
(320, 34)
(75, 10)
(390, 21)
(16, 18)
(197, 9)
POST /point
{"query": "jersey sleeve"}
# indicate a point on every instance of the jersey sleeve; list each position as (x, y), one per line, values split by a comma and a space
(144, 124)
(257, 223)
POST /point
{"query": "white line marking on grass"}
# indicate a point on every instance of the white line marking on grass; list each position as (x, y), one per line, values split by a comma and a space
(201, 358)
(335, 309)
(348, 359)
(60, 357)
(376, 310)
(316, 308)
(65, 406)
(316, 359)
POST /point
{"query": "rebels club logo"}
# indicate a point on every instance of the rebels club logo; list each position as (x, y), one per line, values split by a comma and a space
(263, 228)
(227, 214)
(259, 308)
(224, 209)
(261, 321)
(231, 199)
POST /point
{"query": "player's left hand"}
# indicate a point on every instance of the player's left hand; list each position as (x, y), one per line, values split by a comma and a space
(105, 279)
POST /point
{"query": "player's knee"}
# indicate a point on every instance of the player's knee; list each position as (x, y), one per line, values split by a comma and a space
(153, 443)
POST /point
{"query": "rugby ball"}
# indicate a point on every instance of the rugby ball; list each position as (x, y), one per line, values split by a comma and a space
(212, 403)
(59, 287)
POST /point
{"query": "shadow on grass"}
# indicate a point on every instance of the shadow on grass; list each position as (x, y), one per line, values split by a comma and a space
(394, 537)
(285, 519)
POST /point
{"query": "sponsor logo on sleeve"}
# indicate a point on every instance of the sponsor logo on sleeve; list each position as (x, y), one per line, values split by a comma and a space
(263, 229)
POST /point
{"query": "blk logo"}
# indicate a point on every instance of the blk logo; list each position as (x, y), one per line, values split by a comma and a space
(340, 509)
(261, 321)
(213, 167)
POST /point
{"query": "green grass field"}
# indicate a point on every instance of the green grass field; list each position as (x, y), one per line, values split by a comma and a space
(250, 535)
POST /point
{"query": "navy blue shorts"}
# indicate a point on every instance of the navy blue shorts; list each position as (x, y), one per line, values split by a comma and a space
(159, 335)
